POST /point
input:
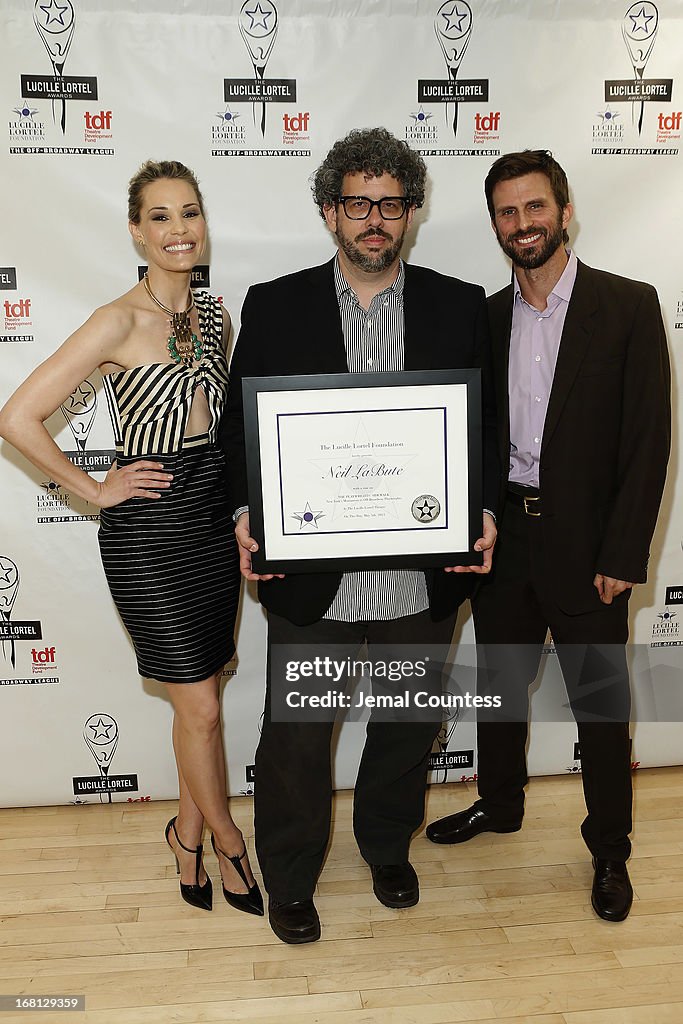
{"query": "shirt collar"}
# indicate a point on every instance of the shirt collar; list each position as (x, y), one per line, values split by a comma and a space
(565, 284)
(342, 285)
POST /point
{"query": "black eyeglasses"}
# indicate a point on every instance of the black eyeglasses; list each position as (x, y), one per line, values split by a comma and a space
(360, 207)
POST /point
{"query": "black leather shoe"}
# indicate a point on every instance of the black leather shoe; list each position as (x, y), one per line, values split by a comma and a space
(458, 828)
(612, 894)
(395, 885)
(294, 922)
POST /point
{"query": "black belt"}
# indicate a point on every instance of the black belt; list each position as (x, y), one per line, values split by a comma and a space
(526, 498)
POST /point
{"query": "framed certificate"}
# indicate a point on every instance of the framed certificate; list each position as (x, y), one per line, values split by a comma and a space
(350, 471)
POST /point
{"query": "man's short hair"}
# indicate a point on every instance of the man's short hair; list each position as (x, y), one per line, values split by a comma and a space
(529, 161)
(372, 151)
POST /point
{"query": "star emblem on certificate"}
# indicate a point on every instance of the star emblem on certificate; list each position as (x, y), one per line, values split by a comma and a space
(308, 517)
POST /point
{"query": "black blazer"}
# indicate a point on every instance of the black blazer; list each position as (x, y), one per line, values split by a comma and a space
(293, 326)
(607, 432)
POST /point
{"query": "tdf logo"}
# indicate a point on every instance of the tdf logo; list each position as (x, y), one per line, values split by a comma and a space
(670, 122)
(98, 122)
(20, 310)
(487, 122)
(45, 657)
(296, 122)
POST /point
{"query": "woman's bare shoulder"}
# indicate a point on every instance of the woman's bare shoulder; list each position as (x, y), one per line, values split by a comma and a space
(118, 316)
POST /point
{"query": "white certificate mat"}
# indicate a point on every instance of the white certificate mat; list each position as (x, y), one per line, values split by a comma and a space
(358, 472)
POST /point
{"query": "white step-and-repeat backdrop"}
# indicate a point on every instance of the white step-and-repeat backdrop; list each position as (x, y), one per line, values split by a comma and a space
(251, 95)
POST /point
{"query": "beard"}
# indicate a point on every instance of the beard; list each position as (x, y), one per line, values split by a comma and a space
(539, 253)
(372, 263)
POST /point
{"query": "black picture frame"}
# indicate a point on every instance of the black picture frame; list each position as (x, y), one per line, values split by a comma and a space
(326, 558)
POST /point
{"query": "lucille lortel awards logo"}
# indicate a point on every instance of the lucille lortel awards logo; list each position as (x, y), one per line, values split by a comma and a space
(15, 631)
(101, 736)
(234, 135)
(453, 23)
(29, 133)
(54, 504)
(441, 759)
(653, 132)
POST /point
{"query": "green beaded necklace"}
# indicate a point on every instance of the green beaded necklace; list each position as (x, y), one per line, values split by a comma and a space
(183, 345)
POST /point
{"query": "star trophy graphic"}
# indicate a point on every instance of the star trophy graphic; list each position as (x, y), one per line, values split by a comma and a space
(258, 27)
(440, 760)
(55, 24)
(101, 734)
(79, 412)
(639, 29)
(9, 584)
(453, 28)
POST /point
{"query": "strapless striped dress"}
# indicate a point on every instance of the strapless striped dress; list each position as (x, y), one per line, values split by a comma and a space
(171, 562)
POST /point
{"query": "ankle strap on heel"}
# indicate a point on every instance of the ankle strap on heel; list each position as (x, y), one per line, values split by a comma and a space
(187, 849)
(196, 850)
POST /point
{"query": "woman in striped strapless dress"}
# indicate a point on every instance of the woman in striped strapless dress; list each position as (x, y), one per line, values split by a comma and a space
(166, 533)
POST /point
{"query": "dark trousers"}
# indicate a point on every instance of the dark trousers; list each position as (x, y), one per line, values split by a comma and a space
(512, 612)
(293, 784)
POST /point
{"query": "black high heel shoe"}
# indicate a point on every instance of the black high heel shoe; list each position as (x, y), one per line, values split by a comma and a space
(196, 895)
(250, 902)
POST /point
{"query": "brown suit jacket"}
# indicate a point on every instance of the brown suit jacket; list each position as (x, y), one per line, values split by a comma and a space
(607, 432)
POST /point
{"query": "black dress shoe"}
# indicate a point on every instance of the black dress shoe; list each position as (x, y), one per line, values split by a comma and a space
(395, 885)
(294, 922)
(458, 828)
(612, 894)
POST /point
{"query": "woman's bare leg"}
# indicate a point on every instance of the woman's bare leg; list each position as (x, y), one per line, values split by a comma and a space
(189, 825)
(200, 758)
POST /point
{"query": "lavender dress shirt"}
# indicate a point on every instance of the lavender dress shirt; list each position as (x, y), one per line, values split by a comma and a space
(534, 344)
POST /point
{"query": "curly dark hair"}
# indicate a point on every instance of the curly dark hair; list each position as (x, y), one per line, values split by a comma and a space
(373, 151)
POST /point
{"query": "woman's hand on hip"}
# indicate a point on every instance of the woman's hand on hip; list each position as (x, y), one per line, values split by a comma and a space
(141, 479)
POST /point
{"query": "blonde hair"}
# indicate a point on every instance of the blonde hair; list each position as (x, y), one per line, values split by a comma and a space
(156, 170)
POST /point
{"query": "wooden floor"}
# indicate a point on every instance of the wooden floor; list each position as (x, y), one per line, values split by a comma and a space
(503, 932)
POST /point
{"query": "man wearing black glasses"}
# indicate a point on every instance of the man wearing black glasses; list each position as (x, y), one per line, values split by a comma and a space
(364, 310)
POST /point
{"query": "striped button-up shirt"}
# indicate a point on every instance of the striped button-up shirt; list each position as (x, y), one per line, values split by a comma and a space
(373, 340)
